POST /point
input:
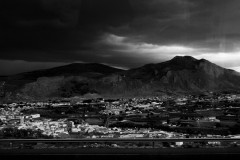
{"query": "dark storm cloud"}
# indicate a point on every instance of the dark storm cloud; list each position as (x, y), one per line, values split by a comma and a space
(192, 22)
(49, 26)
(111, 31)
(174, 21)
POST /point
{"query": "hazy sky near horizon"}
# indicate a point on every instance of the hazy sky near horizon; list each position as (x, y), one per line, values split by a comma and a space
(38, 34)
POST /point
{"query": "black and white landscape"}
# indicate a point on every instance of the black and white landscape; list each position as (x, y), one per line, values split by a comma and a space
(156, 76)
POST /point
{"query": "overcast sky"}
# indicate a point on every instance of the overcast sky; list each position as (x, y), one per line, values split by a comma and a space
(36, 34)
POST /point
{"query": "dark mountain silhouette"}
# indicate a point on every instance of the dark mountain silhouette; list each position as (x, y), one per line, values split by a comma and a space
(90, 70)
(187, 74)
(178, 75)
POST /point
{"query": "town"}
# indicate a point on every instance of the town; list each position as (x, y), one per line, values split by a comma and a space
(202, 116)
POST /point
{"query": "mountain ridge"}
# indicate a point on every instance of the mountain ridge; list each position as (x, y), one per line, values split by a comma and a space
(185, 72)
(180, 74)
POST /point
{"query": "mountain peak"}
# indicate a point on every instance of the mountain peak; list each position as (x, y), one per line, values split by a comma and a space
(184, 58)
(183, 62)
(204, 60)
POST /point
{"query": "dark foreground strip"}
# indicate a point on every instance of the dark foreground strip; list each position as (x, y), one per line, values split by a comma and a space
(123, 151)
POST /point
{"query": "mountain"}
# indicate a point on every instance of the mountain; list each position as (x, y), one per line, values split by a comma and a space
(90, 70)
(182, 74)
(186, 74)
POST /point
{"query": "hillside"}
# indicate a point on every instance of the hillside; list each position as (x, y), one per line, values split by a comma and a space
(90, 70)
(179, 75)
(186, 74)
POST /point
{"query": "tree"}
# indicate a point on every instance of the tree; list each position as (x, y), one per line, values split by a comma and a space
(2, 89)
(22, 133)
(120, 118)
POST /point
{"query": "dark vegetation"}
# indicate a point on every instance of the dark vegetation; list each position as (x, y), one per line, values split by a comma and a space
(186, 130)
(54, 114)
(8, 133)
(74, 87)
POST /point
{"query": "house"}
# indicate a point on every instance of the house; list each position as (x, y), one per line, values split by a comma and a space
(3, 117)
(35, 115)
(179, 143)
